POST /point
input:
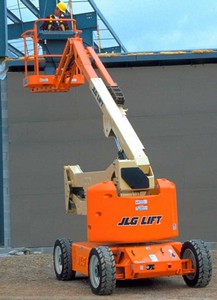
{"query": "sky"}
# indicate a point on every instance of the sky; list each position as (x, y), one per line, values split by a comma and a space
(153, 25)
(156, 25)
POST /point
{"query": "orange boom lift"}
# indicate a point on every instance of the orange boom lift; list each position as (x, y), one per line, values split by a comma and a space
(131, 216)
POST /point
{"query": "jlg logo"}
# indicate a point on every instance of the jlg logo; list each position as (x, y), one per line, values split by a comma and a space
(97, 96)
(145, 220)
(126, 221)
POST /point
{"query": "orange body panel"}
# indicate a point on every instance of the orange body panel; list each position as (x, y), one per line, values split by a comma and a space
(147, 261)
(48, 83)
(136, 261)
(80, 255)
(131, 219)
(36, 81)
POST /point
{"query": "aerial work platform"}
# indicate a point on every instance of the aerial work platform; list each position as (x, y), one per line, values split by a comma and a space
(131, 215)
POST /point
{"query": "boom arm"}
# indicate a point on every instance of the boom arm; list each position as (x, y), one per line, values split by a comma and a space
(114, 117)
(131, 171)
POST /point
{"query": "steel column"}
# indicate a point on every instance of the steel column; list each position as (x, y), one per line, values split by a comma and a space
(46, 7)
(3, 29)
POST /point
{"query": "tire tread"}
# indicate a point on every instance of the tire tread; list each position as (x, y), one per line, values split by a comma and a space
(108, 271)
(67, 272)
(203, 263)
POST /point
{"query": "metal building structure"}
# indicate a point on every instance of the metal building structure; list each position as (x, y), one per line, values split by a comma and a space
(88, 22)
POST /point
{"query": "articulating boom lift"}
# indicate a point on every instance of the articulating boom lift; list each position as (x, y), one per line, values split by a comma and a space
(130, 214)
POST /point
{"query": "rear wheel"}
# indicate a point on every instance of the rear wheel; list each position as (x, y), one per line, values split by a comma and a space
(102, 271)
(62, 259)
(198, 252)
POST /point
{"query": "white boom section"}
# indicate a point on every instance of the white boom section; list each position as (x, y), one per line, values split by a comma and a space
(115, 121)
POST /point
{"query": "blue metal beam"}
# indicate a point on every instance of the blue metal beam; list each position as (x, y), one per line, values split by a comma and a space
(46, 7)
(3, 29)
(86, 21)
(31, 7)
(15, 30)
(13, 17)
(87, 36)
(11, 55)
(15, 51)
(92, 3)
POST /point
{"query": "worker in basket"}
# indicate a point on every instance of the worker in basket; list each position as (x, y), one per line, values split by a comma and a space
(56, 20)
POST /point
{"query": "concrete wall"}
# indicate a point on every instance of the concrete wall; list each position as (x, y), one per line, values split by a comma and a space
(174, 112)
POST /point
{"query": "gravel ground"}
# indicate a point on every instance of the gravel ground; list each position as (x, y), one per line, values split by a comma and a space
(32, 277)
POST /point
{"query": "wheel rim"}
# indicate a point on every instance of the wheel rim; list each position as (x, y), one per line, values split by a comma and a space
(188, 254)
(58, 260)
(94, 271)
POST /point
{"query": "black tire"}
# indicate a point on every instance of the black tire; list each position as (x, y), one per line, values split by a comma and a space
(198, 252)
(62, 259)
(102, 271)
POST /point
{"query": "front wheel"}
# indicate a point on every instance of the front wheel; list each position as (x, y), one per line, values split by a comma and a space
(62, 259)
(198, 252)
(102, 271)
